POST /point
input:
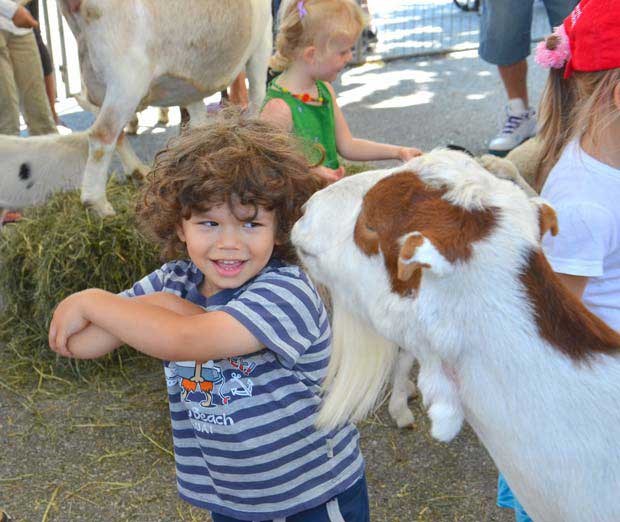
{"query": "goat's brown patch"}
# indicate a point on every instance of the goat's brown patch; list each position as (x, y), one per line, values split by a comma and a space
(562, 319)
(403, 203)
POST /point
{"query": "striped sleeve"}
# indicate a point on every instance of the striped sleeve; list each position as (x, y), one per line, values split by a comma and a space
(283, 311)
(171, 277)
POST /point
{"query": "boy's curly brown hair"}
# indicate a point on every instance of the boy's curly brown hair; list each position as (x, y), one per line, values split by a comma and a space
(233, 159)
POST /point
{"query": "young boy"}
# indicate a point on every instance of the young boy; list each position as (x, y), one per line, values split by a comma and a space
(243, 334)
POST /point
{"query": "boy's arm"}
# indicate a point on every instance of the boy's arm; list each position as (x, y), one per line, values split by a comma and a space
(357, 149)
(151, 329)
(93, 341)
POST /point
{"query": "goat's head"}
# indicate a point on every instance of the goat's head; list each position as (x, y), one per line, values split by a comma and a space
(381, 239)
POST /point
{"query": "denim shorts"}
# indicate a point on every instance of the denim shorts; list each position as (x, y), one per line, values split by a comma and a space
(350, 506)
(505, 27)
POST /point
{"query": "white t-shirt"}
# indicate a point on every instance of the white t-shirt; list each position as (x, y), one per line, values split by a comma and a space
(586, 196)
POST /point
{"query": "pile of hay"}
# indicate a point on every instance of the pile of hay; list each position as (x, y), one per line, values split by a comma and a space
(60, 248)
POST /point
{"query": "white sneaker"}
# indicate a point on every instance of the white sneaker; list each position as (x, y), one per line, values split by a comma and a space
(520, 125)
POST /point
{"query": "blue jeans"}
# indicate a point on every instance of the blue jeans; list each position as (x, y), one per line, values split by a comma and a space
(505, 27)
(507, 499)
(351, 506)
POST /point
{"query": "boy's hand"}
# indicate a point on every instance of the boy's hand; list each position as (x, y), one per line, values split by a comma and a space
(68, 319)
(23, 18)
(406, 153)
(330, 175)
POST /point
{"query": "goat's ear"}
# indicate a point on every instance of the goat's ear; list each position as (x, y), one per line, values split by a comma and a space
(418, 252)
(548, 220)
(407, 265)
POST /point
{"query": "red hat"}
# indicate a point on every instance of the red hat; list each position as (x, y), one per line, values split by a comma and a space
(593, 30)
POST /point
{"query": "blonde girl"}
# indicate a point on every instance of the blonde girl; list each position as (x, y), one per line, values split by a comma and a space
(313, 45)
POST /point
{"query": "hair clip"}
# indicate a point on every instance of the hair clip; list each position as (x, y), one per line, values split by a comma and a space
(301, 9)
(554, 51)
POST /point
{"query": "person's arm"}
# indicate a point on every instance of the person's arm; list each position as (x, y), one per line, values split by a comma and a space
(93, 342)
(357, 149)
(151, 329)
(575, 284)
(22, 18)
(277, 112)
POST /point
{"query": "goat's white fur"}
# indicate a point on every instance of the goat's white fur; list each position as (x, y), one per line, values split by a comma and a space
(52, 163)
(550, 423)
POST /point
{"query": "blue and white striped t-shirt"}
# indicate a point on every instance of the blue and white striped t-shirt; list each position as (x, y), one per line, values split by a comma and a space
(245, 444)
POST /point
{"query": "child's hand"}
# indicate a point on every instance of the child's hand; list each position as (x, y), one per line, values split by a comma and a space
(330, 175)
(406, 153)
(68, 319)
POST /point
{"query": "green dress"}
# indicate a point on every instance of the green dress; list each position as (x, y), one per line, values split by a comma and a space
(314, 124)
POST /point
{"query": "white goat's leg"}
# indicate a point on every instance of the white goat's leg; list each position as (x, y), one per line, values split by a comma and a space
(440, 395)
(198, 115)
(163, 117)
(256, 70)
(131, 163)
(118, 106)
(402, 389)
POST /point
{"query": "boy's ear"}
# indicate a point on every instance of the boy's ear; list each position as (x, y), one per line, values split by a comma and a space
(180, 233)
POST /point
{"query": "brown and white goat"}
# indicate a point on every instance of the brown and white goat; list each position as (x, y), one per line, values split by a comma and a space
(156, 52)
(442, 258)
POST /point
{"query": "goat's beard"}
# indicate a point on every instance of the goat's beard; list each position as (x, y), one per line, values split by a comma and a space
(360, 365)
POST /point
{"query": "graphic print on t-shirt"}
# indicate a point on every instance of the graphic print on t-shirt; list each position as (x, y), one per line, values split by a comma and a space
(206, 387)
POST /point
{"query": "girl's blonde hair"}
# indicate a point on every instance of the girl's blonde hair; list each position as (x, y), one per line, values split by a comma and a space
(314, 22)
(581, 105)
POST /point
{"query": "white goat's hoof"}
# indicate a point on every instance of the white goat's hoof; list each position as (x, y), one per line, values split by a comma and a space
(132, 127)
(403, 418)
(446, 422)
(163, 118)
(101, 207)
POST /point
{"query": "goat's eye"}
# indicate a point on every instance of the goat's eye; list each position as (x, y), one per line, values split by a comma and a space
(369, 228)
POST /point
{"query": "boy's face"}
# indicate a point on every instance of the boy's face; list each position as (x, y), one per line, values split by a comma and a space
(229, 252)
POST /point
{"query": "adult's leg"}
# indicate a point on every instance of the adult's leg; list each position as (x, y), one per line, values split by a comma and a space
(9, 101)
(514, 78)
(30, 86)
(505, 34)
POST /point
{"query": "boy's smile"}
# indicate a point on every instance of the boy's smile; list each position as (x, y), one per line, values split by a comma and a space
(229, 251)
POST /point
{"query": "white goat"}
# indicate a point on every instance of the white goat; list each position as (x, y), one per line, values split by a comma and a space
(155, 52)
(443, 259)
(34, 168)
